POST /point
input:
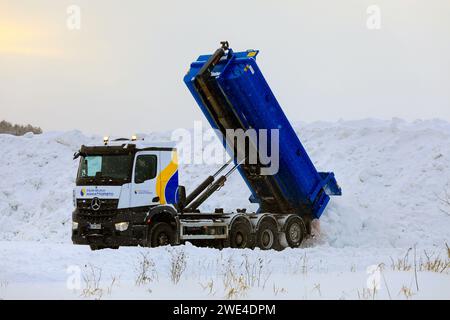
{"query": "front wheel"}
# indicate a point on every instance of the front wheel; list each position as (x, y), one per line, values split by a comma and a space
(161, 234)
(95, 247)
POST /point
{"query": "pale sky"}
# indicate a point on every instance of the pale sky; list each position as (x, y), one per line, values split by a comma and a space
(122, 72)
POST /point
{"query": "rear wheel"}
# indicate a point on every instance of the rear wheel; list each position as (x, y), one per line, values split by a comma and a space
(162, 234)
(240, 235)
(267, 236)
(295, 231)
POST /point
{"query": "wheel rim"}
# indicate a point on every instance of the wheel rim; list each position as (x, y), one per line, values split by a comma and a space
(240, 240)
(267, 239)
(295, 232)
(163, 239)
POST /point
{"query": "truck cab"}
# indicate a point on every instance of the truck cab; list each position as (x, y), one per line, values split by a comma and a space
(117, 185)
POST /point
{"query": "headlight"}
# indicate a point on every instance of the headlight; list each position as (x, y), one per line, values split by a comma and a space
(121, 226)
(74, 225)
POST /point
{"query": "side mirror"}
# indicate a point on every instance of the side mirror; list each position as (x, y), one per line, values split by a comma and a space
(77, 154)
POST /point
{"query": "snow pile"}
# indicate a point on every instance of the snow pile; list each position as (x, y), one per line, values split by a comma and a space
(37, 174)
(392, 174)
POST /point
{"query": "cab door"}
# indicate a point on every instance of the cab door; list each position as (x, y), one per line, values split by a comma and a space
(143, 184)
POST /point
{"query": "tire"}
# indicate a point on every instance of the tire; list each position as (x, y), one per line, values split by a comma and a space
(95, 247)
(161, 234)
(267, 236)
(295, 231)
(240, 235)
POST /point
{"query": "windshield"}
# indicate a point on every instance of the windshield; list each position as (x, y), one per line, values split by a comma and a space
(106, 167)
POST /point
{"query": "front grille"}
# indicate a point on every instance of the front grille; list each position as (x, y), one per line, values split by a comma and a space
(105, 204)
(107, 209)
(96, 216)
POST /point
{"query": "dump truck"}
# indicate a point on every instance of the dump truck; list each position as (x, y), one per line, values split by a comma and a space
(128, 194)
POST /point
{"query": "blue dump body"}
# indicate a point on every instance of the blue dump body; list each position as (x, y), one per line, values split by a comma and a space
(233, 94)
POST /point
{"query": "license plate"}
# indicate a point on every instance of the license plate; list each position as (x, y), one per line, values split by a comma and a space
(95, 226)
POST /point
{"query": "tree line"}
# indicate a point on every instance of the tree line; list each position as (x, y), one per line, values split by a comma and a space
(17, 129)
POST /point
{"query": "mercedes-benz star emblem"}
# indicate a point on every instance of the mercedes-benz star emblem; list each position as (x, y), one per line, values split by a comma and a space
(95, 204)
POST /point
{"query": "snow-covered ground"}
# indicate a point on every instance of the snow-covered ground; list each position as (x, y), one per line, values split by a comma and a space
(391, 221)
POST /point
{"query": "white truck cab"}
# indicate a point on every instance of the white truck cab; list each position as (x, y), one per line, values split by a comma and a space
(122, 178)
(134, 173)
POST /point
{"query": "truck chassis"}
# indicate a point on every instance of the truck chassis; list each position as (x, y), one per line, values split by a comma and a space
(165, 226)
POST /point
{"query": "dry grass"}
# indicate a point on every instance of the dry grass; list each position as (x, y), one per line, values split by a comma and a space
(3, 285)
(297, 265)
(92, 277)
(406, 291)
(114, 281)
(91, 283)
(256, 272)
(209, 287)
(277, 290)
(402, 264)
(304, 265)
(445, 201)
(367, 294)
(434, 263)
(237, 280)
(316, 288)
(236, 288)
(145, 271)
(233, 281)
(177, 265)
(430, 262)
(448, 250)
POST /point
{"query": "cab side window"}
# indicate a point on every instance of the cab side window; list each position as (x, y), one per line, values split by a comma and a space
(145, 168)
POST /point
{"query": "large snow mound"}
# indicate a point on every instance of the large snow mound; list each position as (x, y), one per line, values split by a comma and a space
(392, 173)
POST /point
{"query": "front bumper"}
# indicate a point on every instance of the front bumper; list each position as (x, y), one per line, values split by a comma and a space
(107, 235)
